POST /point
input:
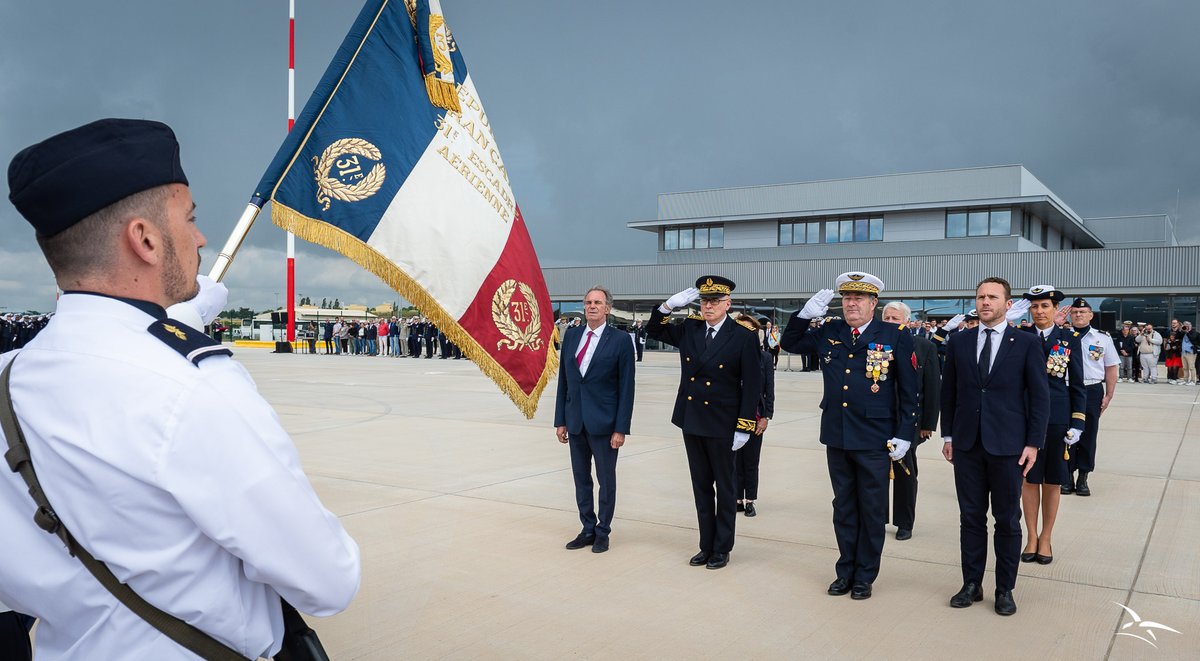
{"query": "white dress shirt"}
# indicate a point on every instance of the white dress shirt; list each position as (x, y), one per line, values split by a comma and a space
(1093, 369)
(996, 337)
(591, 347)
(178, 476)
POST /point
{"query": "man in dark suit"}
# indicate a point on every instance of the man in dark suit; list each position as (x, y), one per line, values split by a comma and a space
(593, 412)
(719, 387)
(995, 408)
(868, 419)
(929, 395)
(639, 339)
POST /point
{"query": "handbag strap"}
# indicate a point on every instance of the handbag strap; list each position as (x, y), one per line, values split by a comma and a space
(20, 461)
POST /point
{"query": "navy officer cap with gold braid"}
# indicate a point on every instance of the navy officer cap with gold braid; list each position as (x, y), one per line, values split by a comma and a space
(714, 286)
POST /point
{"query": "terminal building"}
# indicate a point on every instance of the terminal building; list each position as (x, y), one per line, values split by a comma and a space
(930, 236)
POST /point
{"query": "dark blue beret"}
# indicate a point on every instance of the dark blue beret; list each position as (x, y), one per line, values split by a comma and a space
(65, 178)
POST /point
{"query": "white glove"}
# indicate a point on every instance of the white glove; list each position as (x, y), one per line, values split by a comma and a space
(899, 448)
(201, 309)
(739, 439)
(818, 305)
(1072, 436)
(954, 322)
(683, 298)
(1018, 310)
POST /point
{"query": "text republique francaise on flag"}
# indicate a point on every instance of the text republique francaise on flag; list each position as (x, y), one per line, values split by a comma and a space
(393, 164)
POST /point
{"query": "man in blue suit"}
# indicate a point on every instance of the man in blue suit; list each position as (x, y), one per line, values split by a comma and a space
(995, 408)
(593, 412)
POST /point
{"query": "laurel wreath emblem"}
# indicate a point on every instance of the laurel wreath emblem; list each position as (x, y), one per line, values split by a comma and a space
(331, 188)
(515, 337)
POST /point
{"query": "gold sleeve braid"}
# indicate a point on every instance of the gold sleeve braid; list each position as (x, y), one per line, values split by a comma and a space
(746, 425)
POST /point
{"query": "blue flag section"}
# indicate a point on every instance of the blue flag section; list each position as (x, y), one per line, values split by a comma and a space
(393, 163)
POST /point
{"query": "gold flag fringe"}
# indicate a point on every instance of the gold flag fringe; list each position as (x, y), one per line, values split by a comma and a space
(322, 233)
(442, 93)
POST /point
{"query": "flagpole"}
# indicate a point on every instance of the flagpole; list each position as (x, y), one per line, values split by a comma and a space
(291, 238)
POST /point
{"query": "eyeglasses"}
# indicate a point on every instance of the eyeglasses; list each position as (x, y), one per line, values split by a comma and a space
(713, 301)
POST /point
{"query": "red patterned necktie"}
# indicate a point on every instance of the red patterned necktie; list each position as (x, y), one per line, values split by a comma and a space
(583, 351)
(854, 335)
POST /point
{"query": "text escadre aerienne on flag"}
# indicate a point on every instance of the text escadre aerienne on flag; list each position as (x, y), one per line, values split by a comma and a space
(393, 164)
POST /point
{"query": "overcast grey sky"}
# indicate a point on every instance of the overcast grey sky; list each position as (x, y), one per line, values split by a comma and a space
(599, 107)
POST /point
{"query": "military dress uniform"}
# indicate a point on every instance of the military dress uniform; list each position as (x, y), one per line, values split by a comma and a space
(154, 448)
(870, 397)
(1068, 394)
(1098, 353)
(720, 383)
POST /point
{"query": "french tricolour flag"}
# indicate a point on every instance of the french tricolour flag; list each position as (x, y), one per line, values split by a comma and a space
(393, 163)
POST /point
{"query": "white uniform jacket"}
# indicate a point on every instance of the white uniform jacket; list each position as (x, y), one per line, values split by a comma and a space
(178, 476)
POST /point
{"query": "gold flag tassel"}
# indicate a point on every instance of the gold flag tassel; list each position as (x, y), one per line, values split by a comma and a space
(442, 93)
(892, 466)
(1066, 453)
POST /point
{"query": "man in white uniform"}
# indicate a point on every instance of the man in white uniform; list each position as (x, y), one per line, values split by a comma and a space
(1101, 367)
(152, 444)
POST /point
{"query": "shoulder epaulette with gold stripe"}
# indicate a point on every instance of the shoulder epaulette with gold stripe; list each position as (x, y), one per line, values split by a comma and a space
(187, 341)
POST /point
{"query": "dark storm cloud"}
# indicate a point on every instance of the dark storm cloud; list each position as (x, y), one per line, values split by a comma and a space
(598, 108)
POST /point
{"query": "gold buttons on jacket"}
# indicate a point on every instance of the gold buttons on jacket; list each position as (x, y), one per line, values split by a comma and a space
(708, 383)
(706, 403)
(850, 356)
(847, 371)
(720, 367)
(689, 359)
(844, 404)
(693, 378)
(845, 387)
(689, 398)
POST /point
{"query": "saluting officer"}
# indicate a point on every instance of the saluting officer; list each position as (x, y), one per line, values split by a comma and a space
(719, 386)
(869, 417)
(1068, 401)
(1101, 366)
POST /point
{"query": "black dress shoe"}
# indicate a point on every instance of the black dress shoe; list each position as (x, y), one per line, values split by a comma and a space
(839, 587)
(741, 507)
(700, 558)
(600, 545)
(1044, 559)
(1029, 557)
(717, 560)
(750, 511)
(581, 541)
(1004, 603)
(1081, 487)
(860, 591)
(969, 594)
(903, 534)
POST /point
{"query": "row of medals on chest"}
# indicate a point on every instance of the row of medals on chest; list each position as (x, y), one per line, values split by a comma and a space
(879, 357)
(1056, 362)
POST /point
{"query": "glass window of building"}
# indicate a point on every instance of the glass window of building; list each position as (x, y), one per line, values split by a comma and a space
(814, 232)
(862, 229)
(716, 236)
(685, 239)
(846, 235)
(1001, 222)
(956, 223)
(785, 234)
(977, 223)
(877, 229)
(701, 240)
(831, 231)
(671, 239)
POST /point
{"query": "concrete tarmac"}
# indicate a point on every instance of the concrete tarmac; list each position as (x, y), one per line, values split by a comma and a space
(461, 508)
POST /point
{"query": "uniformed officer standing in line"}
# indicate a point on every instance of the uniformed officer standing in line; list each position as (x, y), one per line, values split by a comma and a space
(720, 383)
(929, 396)
(869, 417)
(1068, 401)
(1101, 367)
(151, 444)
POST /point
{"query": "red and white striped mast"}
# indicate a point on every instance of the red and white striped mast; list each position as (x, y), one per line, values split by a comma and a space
(291, 238)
